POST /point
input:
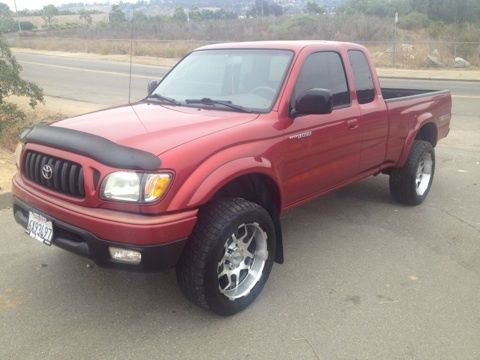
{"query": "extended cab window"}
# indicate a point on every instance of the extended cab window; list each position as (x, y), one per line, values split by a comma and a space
(363, 76)
(324, 70)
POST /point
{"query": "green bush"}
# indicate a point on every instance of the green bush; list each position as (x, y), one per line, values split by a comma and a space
(414, 20)
(437, 29)
(26, 25)
(12, 84)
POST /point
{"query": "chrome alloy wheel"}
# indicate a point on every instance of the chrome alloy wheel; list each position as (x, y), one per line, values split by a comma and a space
(241, 267)
(424, 173)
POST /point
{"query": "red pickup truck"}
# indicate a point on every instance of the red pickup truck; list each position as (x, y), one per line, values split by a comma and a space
(198, 173)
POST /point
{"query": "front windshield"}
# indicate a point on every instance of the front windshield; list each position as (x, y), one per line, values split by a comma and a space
(250, 79)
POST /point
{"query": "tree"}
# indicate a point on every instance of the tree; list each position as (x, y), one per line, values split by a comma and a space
(414, 20)
(86, 16)
(48, 13)
(195, 14)
(12, 84)
(313, 8)
(7, 23)
(450, 11)
(265, 8)
(139, 17)
(116, 15)
(180, 15)
(368, 7)
(275, 10)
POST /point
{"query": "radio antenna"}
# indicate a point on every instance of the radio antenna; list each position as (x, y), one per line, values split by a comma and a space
(131, 60)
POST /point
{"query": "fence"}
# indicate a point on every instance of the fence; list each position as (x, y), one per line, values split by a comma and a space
(408, 55)
(412, 55)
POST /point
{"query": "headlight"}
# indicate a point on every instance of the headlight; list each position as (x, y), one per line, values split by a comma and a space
(135, 187)
(123, 186)
(18, 153)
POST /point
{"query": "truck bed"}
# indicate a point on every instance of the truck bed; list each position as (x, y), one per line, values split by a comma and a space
(392, 94)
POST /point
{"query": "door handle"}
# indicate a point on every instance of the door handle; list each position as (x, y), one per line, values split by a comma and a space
(352, 124)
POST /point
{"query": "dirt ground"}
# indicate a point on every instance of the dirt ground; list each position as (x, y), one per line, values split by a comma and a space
(7, 164)
(144, 60)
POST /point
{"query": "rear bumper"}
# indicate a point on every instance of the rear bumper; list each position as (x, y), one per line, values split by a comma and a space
(90, 232)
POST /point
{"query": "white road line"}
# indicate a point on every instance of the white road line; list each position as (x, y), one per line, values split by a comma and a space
(85, 70)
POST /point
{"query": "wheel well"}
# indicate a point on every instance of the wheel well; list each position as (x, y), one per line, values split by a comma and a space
(262, 190)
(428, 132)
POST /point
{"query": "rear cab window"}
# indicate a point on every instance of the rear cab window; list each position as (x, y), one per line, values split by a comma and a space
(362, 75)
(324, 70)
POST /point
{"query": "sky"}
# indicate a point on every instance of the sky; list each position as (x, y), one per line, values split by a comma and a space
(38, 4)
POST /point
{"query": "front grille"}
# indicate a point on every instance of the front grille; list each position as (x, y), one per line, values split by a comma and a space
(66, 176)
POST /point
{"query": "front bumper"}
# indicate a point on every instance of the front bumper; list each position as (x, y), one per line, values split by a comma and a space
(90, 232)
(84, 243)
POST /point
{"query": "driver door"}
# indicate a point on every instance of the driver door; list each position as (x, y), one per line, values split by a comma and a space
(321, 151)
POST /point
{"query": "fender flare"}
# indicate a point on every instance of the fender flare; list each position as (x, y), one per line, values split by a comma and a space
(202, 185)
(195, 193)
(422, 120)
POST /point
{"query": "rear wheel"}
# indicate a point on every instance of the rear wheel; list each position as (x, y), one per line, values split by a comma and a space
(411, 183)
(229, 257)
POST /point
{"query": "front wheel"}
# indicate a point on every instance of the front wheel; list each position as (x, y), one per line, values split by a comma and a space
(229, 257)
(411, 183)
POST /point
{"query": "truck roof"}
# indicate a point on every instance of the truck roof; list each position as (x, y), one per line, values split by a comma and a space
(294, 45)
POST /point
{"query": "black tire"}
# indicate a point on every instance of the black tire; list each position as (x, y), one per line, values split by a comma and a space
(198, 268)
(404, 184)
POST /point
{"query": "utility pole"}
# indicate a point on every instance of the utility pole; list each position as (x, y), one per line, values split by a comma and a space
(16, 14)
(394, 54)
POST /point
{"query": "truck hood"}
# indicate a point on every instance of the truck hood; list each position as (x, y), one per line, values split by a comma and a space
(154, 128)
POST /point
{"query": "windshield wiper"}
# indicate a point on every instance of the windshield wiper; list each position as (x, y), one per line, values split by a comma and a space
(227, 103)
(164, 98)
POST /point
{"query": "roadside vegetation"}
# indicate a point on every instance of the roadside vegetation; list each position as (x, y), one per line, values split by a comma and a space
(11, 84)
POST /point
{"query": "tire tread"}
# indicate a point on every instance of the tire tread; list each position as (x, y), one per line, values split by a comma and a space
(191, 268)
(401, 179)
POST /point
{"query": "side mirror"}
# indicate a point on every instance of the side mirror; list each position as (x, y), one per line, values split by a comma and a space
(313, 101)
(152, 85)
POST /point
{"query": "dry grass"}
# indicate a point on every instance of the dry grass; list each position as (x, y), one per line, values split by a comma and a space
(408, 55)
(170, 39)
(413, 55)
(144, 60)
(163, 49)
(166, 38)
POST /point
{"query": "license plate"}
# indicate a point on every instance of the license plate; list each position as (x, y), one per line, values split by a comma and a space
(40, 228)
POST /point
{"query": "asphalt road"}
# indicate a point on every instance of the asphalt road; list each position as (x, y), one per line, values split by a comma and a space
(101, 82)
(364, 278)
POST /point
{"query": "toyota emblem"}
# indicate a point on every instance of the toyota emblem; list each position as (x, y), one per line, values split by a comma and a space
(47, 171)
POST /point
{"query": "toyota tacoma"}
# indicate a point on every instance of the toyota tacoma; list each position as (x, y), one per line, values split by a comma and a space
(197, 175)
